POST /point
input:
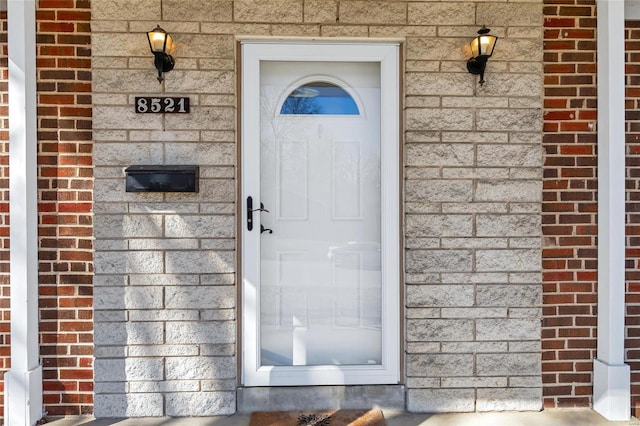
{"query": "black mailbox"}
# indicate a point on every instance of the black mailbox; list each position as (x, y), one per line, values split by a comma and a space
(162, 178)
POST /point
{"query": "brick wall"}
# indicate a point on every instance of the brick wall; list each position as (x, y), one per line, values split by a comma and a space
(472, 190)
(569, 208)
(5, 350)
(65, 208)
(570, 252)
(65, 193)
(633, 209)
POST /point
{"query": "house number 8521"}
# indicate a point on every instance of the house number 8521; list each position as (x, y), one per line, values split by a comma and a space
(163, 104)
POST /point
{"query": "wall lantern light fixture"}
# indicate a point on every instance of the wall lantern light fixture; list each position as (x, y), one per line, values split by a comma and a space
(161, 43)
(481, 49)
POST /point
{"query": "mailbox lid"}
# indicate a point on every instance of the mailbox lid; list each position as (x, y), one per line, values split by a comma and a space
(162, 178)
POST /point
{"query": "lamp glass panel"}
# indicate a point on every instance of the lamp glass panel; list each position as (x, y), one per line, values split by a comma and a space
(486, 44)
(156, 40)
(169, 45)
(475, 47)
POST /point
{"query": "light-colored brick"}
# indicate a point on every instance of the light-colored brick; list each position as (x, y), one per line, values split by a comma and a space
(440, 365)
(128, 298)
(316, 11)
(373, 12)
(436, 49)
(129, 226)
(199, 367)
(441, 119)
(129, 369)
(513, 191)
(508, 225)
(438, 260)
(187, 404)
(510, 14)
(128, 405)
(126, 9)
(511, 155)
(114, 117)
(191, 81)
(505, 260)
(200, 297)
(509, 364)
(200, 332)
(439, 190)
(135, 262)
(126, 154)
(445, 13)
(439, 225)
(197, 10)
(204, 262)
(272, 11)
(439, 295)
(440, 155)
(510, 295)
(219, 385)
(440, 400)
(120, 333)
(201, 154)
(508, 329)
(199, 226)
(509, 119)
(443, 84)
(222, 349)
(439, 330)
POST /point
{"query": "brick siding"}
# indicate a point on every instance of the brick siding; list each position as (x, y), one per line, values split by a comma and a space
(65, 181)
(5, 349)
(570, 203)
(633, 209)
(569, 221)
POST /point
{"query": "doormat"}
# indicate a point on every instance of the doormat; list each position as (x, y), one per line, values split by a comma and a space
(318, 418)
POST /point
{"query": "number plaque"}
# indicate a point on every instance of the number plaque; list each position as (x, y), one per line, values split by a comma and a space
(161, 104)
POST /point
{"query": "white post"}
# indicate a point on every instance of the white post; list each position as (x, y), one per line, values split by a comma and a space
(23, 382)
(611, 382)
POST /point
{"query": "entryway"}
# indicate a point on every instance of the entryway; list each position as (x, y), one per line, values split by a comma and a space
(320, 225)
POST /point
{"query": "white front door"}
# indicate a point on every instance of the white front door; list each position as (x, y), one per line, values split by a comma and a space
(320, 225)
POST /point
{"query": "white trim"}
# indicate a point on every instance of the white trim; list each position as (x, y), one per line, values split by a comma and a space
(387, 54)
(611, 394)
(632, 9)
(23, 383)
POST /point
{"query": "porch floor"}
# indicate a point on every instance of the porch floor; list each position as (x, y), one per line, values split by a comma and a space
(555, 417)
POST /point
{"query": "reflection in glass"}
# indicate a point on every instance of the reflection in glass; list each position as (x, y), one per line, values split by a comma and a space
(321, 296)
(319, 97)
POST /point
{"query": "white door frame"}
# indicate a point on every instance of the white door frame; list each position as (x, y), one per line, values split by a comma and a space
(387, 54)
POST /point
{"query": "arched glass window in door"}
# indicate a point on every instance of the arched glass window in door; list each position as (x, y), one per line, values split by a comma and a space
(319, 97)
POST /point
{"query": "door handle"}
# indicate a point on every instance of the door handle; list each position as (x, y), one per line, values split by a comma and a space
(250, 211)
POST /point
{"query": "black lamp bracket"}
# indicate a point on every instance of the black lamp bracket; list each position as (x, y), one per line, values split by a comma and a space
(164, 63)
(477, 66)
